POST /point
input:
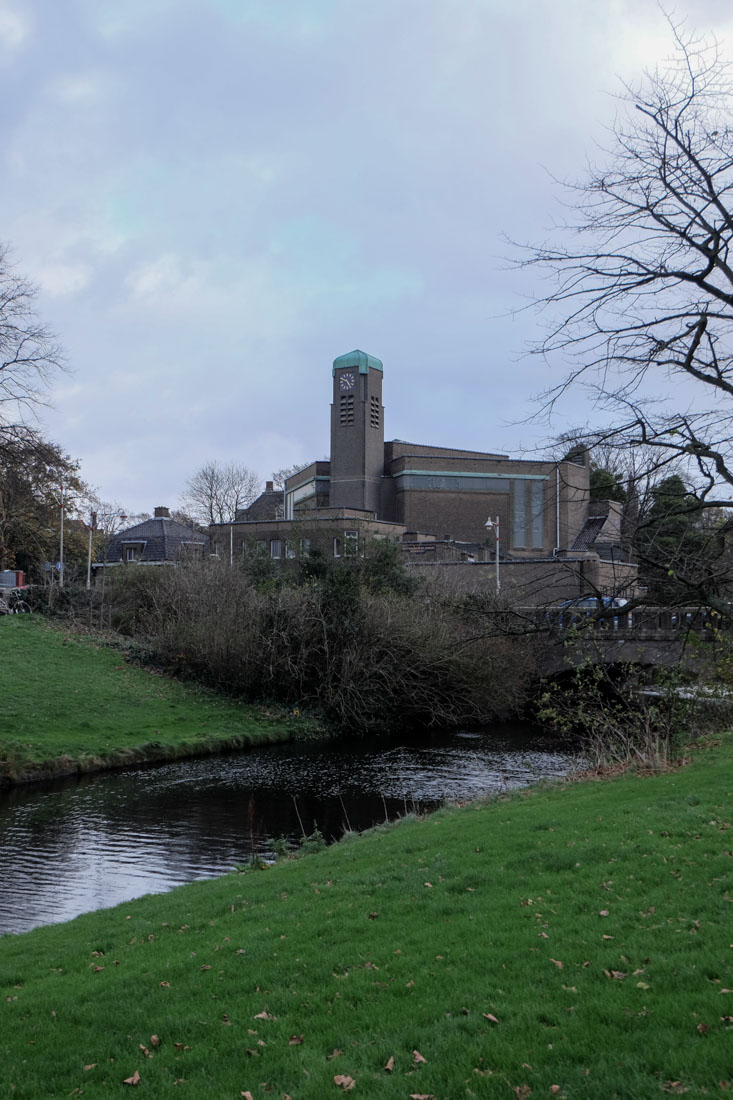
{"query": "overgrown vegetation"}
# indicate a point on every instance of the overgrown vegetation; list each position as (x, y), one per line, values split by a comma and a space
(68, 705)
(571, 942)
(629, 716)
(353, 640)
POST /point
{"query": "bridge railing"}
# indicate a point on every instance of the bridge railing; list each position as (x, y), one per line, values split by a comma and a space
(640, 621)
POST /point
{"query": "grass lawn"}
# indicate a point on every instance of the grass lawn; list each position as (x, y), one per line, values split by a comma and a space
(67, 703)
(572, 942)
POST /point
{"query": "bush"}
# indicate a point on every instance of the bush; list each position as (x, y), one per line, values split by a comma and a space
(364, 655)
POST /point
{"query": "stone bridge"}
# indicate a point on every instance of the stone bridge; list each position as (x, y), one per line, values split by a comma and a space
(643, 635)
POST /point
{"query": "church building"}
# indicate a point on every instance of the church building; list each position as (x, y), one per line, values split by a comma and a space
(434, 501)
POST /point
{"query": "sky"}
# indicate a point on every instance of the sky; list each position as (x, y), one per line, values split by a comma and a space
(216, 198)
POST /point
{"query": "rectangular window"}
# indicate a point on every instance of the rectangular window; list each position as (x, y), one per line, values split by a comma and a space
(346, 410)
(519, 529)
(351, 543)
(337, 547)
(537, 494)
(305, 545)
(289, 549)
(131, 553)
(374, 417)
(276, 548)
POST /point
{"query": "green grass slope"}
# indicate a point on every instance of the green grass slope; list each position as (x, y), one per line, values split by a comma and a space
(574, 942)
(66, 705)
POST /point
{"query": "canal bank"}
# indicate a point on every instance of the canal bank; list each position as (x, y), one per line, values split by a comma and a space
(71, 706)
(570, 941)
(140, 830)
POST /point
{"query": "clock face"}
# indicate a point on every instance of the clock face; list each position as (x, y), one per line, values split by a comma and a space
(347, 380)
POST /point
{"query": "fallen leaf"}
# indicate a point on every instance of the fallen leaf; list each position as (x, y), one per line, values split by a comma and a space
(264, 1015)
(554, 1089)
(134, 1080)
(145, 1050)
(344, 1081)
(703, 1029)
(295, 1040)
(417, 1057)
(390, 1064)
(373, 916)
(490, 1017)
(335, 1053)
(543, 935)
(247, 1095)
(522, 1091)
(422, 1096)
(603, 913)
(428, 884)
(154, 1041)
(205, 967)
(605, 937)
(557, 963)
(91, 1065)
(642, 985)
(165, 985)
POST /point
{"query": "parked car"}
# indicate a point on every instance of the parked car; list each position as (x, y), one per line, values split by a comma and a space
(594, 603)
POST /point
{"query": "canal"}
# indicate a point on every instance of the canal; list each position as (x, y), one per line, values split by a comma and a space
(85, 843)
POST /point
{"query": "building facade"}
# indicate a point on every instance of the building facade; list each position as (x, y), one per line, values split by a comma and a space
(435, 501)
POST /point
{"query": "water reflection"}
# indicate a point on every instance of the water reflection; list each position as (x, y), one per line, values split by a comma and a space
(85, 843)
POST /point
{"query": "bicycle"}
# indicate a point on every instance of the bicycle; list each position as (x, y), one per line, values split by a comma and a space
(13, 604)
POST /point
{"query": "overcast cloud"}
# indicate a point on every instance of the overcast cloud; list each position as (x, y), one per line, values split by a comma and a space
(218, 197)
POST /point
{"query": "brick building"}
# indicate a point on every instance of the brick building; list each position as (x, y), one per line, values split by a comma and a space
(434, 500)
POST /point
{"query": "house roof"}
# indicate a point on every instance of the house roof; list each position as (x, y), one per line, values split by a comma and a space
(268, 505)
(162, 539)
(589, 532)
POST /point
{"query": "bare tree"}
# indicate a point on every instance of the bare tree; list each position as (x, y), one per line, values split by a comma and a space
(29, 353)
(279, 477)
(216, 492)
(644, 276)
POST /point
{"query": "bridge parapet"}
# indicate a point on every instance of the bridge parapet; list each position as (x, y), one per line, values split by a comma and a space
(657, 623)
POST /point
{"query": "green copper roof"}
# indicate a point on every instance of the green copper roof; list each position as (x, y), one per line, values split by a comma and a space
(358, 359)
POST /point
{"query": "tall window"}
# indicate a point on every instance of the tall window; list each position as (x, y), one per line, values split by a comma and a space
(374, 412)
(276, 548)
(346, 409)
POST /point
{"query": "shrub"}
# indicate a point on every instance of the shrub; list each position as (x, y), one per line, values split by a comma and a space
(364, 655)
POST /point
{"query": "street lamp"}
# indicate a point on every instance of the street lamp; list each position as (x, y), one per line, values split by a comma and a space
(493, 525)
(61, 543)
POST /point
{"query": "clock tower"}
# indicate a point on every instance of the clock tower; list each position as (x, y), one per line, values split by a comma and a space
(357, 432)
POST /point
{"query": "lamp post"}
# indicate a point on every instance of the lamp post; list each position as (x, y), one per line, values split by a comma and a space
(493, 525)
(92, 529)
(61, 543)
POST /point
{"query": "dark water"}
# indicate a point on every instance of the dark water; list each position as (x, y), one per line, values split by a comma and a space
(86, 843)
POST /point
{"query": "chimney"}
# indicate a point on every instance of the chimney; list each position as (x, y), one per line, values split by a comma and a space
(269, 487)
(161, 513)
